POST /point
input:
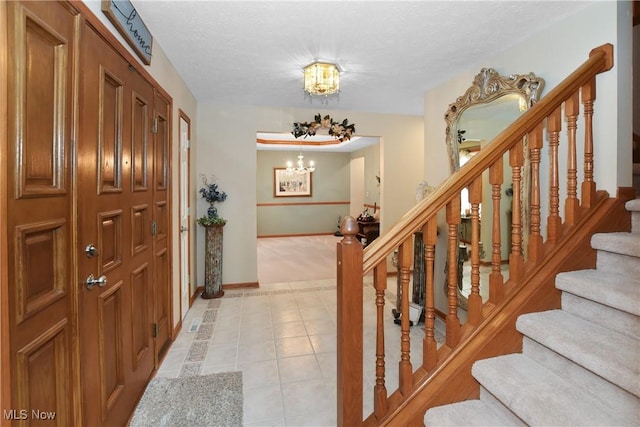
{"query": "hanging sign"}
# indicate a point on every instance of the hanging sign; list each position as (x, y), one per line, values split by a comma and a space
(125, 17)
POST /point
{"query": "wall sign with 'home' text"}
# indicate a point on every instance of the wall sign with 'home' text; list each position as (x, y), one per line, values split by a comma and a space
(126, 19)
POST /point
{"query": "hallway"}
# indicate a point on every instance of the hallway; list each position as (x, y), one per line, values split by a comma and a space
(283, 339)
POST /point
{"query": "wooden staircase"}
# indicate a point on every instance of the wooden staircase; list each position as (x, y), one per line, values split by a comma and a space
(562, 243)
(579, 365)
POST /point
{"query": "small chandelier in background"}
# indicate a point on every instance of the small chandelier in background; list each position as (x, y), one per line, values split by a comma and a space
(321, 78)
(300, 168)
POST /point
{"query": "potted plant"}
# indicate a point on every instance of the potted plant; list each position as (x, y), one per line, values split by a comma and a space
(213, 225)
(210, 193)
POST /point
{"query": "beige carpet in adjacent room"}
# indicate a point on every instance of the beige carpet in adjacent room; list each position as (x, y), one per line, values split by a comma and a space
(296, 259)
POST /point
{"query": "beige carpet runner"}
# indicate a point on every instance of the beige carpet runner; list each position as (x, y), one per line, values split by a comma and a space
(203, 400)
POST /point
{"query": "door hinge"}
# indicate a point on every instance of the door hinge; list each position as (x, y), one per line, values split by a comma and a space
(155, 330)
(154, 229)
(154, 126)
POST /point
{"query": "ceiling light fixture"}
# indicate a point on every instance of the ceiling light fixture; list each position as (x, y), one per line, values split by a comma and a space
(300, 168)
(321, 78)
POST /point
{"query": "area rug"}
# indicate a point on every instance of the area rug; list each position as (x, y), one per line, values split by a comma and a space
(207, 400)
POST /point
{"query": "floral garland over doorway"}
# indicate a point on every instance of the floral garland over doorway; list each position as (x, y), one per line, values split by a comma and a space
(341, 131)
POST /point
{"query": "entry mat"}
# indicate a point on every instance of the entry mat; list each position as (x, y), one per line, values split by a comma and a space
(204, 400)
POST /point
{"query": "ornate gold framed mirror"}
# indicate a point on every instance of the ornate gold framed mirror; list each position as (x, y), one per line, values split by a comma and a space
(486, 108)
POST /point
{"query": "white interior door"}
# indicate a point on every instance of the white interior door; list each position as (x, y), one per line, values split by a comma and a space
(357, 187)
(185, 282)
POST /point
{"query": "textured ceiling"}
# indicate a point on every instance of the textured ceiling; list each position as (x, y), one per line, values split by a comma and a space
(253, 52)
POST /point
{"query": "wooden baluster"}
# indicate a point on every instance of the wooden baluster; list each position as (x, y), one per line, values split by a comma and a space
(380, 390)
(554, 222)
(572, 203)
(453, 223)
(475, 300)
(535, 251)
(350, 328)
(516, 261)
(588, 185)
(496, 280)
(429, 345)
(405, 259)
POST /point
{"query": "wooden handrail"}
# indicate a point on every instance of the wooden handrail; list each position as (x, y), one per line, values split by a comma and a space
(600, 60)
(525, 223)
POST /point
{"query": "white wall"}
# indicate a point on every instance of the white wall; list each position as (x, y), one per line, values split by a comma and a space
(356, 186)
(227, 149)
(624, 74)
(553, 54)
(166, 75)
(371, 157)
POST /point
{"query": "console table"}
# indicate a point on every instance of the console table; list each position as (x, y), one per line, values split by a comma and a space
(368, 231)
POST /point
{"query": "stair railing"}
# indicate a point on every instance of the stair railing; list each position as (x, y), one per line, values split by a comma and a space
(354, 263)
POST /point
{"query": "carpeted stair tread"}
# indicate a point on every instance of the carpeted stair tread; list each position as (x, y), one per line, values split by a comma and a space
(607, 353)
(610, 289)
(540, 397)
(470, 413)
(619, 243)
(633, 205)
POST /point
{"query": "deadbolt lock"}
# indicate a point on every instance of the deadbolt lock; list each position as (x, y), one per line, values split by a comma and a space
(91, 250)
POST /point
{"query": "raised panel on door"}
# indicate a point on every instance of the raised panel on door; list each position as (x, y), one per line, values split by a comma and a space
(114, 199)
(110, 342)
(140, 225)
(40, 225)
(141, 110)
(42, 370)
(111, 117)
(109, 240)
(162, 299)
(40, 252)
(161, 217)
(41, 88)
(140, 297)
(161, 146)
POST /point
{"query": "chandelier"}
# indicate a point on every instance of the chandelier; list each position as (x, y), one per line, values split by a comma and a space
(300, 168)
(321, 78)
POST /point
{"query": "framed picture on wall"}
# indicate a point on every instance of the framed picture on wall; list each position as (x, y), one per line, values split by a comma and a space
(291, 184)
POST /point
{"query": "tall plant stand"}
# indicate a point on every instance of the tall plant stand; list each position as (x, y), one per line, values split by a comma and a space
(213, 262)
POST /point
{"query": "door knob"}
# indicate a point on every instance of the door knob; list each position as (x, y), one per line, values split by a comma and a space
(91, 250)
(92, 281)
(183, 228)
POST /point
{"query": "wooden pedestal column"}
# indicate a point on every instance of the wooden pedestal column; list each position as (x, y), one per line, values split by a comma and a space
(213, 262)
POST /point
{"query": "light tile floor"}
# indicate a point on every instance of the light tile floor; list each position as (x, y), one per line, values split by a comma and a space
(283, 339)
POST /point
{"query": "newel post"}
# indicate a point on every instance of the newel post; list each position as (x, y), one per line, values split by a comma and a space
(350, 329)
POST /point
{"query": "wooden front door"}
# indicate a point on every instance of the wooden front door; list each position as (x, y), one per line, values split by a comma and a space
(86, 190)
(41, 47)
(116, 210)
(161, 224)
